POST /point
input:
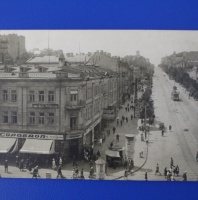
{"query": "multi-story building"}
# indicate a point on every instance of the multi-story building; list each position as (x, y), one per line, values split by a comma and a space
(16, 45)
(55, 112)
(117, 65)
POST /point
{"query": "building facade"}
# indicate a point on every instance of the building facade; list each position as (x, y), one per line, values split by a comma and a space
(65, 107)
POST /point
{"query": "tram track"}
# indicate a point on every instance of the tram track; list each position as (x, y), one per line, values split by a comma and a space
(187, 154)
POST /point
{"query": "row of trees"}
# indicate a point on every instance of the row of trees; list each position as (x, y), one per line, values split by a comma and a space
(181, 76)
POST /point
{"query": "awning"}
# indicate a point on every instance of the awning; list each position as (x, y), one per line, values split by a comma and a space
(114, 154)
(6, 144)
(38, 146)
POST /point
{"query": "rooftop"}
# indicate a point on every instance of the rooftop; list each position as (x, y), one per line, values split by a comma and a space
(43, 59)
(82, 58)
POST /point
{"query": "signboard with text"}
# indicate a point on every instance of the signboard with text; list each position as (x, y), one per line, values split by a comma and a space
(44, 105)
(31, 136)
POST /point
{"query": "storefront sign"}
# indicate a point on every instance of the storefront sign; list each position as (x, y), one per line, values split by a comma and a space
(44, 105)
(31, 136)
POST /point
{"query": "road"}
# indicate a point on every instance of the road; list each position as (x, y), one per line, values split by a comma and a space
(182, 142)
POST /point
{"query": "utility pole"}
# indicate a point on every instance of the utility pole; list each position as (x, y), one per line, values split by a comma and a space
(145, 120)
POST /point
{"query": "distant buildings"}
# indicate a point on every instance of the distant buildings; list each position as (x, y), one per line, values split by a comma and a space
(16, 45)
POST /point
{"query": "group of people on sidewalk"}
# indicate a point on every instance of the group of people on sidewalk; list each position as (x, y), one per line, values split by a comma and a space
(169, 174)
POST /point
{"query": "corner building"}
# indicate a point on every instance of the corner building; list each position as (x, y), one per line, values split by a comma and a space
(55, 113)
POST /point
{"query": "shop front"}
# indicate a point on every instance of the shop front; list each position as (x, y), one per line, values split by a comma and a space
(37, 148)
(92, 134)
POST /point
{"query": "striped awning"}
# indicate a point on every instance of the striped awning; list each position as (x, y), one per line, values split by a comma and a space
(6, 144)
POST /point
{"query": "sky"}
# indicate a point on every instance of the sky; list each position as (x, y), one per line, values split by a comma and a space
(151, 44)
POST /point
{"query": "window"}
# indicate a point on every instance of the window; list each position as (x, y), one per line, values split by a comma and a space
(13, 95)
(51, 96)
(31, 96)
(14, 117)
(51, 118)
(73, 123)
(5, 95)
(41, 95)
(73, 97)
(5, 117)
(41, 118)
(89, 93)
(32, 118)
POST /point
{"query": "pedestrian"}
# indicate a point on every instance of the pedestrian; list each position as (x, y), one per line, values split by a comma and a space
(146, 176)
(127, 119)
(177, 170)
(17, 161)
(35, 172)
(147, 141)
(77, 172)
(197, 156)
(111, 145)
(118, 119)
(100, 141)
(59, 171)
(126, 109)
(125, 173)
(189, 96)
(108, 132)
(114, 129)
(74, 173)
(82, 174)
(131, 117)
(123, 118)
(171, 163)
(157, 170)
(91, 173)
(60, 161)
(185, 176)
(98, 153)
(170, 127)
(21, 165)
(117, 138)
(172, 178)
(121, 122)
(74, 161)
(53, 164)
(165, 172)
(6, 166)
(162, 132)
(91, 163)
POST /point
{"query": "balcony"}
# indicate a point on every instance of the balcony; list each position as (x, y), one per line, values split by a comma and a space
(70, 105)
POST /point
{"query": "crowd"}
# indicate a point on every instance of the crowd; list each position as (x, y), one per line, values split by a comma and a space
(169, 173)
